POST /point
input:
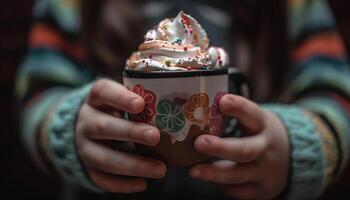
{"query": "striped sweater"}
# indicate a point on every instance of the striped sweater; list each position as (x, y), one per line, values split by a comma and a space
(55, 78)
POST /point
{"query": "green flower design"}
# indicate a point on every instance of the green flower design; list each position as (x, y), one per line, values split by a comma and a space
(169, 116)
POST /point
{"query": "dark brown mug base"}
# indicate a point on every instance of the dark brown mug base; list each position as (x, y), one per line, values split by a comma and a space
(180, 153)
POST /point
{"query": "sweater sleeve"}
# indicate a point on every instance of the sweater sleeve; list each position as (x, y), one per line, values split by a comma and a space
(318, 121)
(51, 84)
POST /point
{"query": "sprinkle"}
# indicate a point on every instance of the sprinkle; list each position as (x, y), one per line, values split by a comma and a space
(185, 48)
(167, 62)
(143, 61)
(220, 62)
(189, 68)
(191, 31)
(177, 41)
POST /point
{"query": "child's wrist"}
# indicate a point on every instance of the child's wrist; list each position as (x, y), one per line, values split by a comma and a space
(58, 139)
(307, 166)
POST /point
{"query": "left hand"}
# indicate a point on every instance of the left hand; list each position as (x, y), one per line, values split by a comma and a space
(254, 166)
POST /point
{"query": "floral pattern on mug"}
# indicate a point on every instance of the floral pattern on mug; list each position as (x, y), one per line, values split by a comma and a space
(170, 116)
(150, 104)
(196, 109)
(216, 119)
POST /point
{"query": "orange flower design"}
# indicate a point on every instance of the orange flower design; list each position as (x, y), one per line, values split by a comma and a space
(196, 109)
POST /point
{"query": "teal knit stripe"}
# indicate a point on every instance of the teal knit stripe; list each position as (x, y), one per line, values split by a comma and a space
(310, 15)
(322, 72)
(308, 164)
(48, 66)
(34, 115)
(337, 116)
(62, 139)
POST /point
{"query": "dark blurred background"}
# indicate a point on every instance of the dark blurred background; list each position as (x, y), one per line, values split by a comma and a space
(19, 178)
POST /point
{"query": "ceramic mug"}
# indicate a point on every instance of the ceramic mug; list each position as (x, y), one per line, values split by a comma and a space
(182, 105)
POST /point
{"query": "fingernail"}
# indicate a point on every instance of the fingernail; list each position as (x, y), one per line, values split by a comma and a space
(159, 170)
(196, 173)
(149, 136)
(204, 141)
(135, 103)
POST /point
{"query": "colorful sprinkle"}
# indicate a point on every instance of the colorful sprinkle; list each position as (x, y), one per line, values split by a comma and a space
(177, 41)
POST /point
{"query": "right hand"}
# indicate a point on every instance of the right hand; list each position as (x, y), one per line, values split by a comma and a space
(100, 121)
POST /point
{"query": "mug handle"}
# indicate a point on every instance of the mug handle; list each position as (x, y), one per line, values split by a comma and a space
(238, 84)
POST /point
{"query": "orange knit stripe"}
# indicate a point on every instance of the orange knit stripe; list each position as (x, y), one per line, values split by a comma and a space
(43, 35)
(329, 43)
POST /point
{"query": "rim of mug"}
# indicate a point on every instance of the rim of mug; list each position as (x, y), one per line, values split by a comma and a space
(129, 73)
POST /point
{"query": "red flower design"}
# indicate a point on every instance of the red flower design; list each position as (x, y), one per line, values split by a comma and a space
(216, 119)
(150, 104)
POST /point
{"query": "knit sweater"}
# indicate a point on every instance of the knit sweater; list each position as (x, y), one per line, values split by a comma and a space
(54, 80)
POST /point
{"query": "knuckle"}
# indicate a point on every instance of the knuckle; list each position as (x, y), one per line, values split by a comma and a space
(101, 125)
(141, 168)
(97, 180)
(80, 128)
(134, 133)
(83, 154)
(248, 153)
(99, 86)
(101, 161)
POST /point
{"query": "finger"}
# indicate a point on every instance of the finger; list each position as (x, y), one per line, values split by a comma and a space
(115, 183)
(247, 112)
(107, 92)
(120, 163)
(224, 172)
(242, 191)
(99, 125)
(242, 150)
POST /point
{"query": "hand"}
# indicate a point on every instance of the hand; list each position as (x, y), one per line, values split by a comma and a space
(254, 166)
(99, 121)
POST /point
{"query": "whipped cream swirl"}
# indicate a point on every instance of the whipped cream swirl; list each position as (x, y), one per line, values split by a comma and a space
(177, 44)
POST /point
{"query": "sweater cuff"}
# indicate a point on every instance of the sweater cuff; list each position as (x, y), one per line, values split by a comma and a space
(60, 142)
(308, 164)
